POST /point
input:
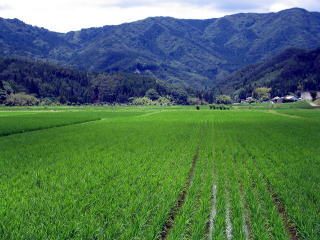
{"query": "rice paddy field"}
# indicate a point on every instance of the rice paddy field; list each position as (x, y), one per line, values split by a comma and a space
(159, 173)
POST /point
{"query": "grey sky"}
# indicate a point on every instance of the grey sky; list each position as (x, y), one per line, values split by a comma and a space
(66, 15)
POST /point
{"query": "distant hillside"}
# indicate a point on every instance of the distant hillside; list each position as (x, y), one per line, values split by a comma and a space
(291, 71)
(189, 52)
(73, 86)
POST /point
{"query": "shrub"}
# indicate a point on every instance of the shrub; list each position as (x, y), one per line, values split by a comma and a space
(223, 99)
(21, 99)
(49, 101)
(262, 93)
(142, 101)
(219, 107)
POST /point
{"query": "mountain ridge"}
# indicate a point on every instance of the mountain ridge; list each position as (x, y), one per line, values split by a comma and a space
(189, 52)
(293, 71)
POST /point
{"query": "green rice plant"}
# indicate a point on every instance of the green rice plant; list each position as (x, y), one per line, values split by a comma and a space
(256, 175)
(192, 220)
(107, 179)
(19, 122)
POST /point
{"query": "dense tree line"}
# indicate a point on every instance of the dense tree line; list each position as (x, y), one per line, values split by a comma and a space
(65, 85)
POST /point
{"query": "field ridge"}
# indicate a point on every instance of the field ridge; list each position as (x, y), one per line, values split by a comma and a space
(49, 127)
(284, 114)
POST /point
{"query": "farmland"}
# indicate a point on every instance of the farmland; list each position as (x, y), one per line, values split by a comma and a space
(159, 173)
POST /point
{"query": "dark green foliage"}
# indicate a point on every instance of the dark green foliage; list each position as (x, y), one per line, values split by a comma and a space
(3, 93)
(313, 94)
(152, 94)
(290, 72)
(219, 107)
(120, 87)
(191, 52)
(180, 95)
(45, 80)
(54, 83)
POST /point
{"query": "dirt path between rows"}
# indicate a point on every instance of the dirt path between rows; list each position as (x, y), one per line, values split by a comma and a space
(168, 225)
(313, 104)
(150, 113)
(283, 114)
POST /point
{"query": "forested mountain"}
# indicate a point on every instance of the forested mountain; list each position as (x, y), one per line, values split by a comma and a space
(190, 52)
(291, 71)
(65, 85)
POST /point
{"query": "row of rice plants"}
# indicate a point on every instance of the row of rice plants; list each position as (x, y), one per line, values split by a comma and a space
(244, 206)
(192, 220)
(246, 209)
(230, 221)
(291, 167)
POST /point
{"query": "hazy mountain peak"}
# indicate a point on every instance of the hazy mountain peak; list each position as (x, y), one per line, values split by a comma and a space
(294, 10)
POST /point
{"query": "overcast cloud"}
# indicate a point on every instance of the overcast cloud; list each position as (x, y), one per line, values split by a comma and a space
(66, 15)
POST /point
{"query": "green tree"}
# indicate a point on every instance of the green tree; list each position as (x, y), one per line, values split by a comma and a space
(262, 93)
(180, 95)
(152, 94)
(223, 99)
(3, 95)
(313, 95)
(164, 101)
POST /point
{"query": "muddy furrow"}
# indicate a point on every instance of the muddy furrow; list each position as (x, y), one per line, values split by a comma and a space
(169, 223)
(291, 229)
